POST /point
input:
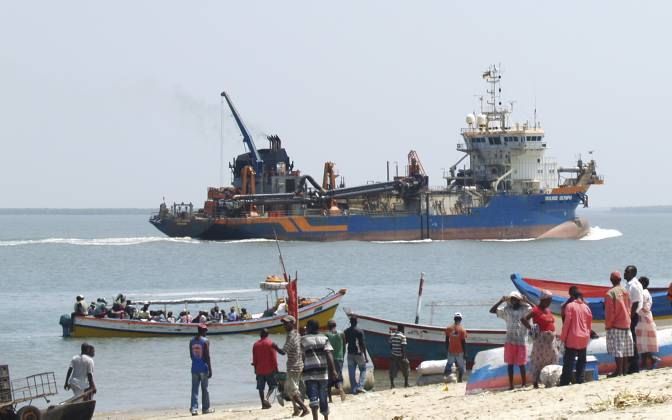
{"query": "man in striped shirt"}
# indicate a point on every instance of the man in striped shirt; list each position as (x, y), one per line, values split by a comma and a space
(292, 348)
(398, 360)
(318, 364)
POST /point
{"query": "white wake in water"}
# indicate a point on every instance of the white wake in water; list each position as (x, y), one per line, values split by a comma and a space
(99, 241)
(597, 233)
(415, 241)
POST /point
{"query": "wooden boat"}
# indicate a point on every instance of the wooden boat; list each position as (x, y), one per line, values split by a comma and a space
(321, 310)
(594, 297)
(425, 342)
(489, 372)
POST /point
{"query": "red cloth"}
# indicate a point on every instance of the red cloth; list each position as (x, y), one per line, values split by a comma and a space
(264, 357)
(544, 318)
(515, 354)
(293, 300)
(617, 308)
(577, 325)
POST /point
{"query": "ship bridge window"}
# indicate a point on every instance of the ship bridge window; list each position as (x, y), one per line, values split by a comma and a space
(494, 140)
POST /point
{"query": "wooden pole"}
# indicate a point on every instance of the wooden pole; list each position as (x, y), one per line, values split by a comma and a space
(417, 308)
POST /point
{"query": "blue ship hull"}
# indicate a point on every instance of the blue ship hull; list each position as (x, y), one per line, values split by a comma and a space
(506, 216)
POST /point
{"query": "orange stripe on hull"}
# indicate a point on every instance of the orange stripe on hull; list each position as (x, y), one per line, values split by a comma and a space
(304, 226)
(285, 222)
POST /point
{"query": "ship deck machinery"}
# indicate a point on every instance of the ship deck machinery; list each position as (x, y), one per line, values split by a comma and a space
(506, 189)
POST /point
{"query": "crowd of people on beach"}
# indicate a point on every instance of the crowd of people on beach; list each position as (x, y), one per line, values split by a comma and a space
(630, 330)
(314, 365)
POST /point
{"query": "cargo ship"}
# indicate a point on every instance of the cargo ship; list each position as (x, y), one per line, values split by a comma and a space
(506, 189)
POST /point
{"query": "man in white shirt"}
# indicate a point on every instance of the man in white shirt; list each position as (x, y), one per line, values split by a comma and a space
(80, 373)
(635, 290)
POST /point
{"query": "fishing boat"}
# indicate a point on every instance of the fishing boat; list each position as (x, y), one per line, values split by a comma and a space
(320, 310)
(507, 188)
(489, 372)
(594, 297)
(424, 342)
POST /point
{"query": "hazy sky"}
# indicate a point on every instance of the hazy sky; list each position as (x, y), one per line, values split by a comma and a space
(117, 104)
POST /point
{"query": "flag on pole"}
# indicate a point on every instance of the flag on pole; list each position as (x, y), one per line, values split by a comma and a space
(293, 300)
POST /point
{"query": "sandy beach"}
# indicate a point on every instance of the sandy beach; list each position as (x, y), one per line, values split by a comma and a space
(645, 395)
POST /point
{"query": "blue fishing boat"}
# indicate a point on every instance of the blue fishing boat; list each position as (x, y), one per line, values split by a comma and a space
(594, 297)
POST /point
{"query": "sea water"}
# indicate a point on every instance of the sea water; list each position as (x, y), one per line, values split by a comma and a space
(48, 259)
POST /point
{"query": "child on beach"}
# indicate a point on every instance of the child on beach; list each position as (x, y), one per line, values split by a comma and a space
(456, 346)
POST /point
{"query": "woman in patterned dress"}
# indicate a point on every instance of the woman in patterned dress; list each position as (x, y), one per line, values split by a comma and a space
(647, 341)
(544, 349)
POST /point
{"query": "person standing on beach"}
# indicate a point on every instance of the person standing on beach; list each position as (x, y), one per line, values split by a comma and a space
(399, 359)
(337, 341)
(265, 362)
(357, 357)
(318, 364)
(617, 323)
(515, 345)
(647, 339)
(456, 346)
(544, 351)
(576, 332)
(79, 378)
(292, 349)
(635, 290)
(201, 370)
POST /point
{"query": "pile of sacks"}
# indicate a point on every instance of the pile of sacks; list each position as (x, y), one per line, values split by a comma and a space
(432, 372)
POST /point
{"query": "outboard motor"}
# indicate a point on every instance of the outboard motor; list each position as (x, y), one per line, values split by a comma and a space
(66, 323)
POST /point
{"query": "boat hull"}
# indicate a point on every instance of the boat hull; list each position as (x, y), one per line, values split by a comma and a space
(594, 297)
(490, 372)
(424, 342)
(505, 217)
(320, 311)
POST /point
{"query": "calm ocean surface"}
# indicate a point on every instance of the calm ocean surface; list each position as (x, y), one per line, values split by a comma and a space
(46, 260)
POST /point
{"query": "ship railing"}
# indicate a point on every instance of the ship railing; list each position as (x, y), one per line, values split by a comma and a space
(319, 212)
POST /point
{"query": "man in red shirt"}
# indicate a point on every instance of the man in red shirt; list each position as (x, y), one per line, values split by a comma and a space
(617, 321)
(576, 336)
(456, 345)
(265, 362)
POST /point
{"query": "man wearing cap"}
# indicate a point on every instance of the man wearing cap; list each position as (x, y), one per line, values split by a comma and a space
(456, 345)
(617, 323)
(575, 335)
(201, 370)
(515, 345)
(292, 348)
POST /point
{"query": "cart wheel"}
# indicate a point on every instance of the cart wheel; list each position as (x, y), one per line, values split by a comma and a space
(28, 412)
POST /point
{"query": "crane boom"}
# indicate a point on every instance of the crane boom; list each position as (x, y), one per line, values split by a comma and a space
(257, 162)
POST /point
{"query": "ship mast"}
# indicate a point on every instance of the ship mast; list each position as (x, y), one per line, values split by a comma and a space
(495, 113)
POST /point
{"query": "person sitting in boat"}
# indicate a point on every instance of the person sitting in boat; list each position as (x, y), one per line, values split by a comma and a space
(101, 308)
(130, 310)
(144, 313)
(185, 317)
(80, 307)
(157, 316)
(232, 316)
(170, 318)
(120, 300)
(281, 307)
(92, 309)
(244, 315)
(201, 318)
(215, 314)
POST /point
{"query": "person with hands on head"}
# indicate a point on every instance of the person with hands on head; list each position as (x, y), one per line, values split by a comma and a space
(515, 346)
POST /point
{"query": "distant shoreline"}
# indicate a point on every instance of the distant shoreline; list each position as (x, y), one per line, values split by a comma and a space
(75, 212)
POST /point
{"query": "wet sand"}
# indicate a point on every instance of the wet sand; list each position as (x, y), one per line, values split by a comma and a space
(590, 400)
